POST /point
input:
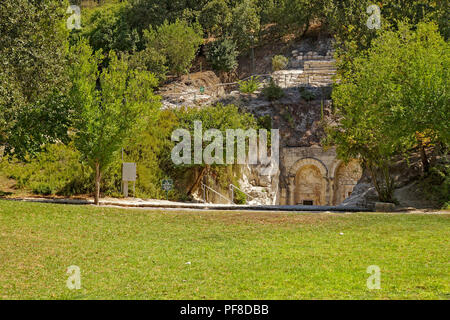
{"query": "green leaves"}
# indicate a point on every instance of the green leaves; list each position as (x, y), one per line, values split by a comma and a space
(112, 103)
(396, 88)
(178, 42)
(33, 78)
(222, 55)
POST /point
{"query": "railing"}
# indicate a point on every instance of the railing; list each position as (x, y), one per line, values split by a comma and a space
(205, 188)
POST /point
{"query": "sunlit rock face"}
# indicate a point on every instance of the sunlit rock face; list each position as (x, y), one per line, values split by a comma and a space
(307, 173)
(314, 176)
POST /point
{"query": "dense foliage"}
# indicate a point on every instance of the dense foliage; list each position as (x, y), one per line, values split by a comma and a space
(222, 55)
(33, 77)
(111, 105)
(177, 41)
(88, 88)
(396, 94)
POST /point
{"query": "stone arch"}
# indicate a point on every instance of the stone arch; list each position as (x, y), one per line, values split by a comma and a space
(309, 182)
(346, 176)
(308, 161)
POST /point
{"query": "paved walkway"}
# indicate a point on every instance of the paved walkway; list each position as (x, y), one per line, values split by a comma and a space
(171, 205)
(138, 203)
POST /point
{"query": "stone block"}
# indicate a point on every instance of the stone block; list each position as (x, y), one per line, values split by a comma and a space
(384, 207)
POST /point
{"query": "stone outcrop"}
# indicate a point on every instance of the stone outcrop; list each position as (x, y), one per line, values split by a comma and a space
(307, 174)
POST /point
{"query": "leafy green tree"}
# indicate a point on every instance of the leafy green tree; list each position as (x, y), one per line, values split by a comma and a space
(292, 16)
(218, 117)
(215, 17)
(107, 29)
(245, 25)
(112, 104)
(142, 14)
(33, 78)
(347, 19)
(395, 90)
(150, 60)
(222, 55)
(178, 42)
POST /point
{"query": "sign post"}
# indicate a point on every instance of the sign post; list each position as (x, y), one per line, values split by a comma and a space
(167, 185)
(128, 175)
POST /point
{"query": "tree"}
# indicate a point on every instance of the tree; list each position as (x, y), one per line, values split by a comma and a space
(33, 79)
(112, 103)
(218, 117)
(293, 16)
(150, 60)
(245, 24)
(215, 17)
(177, 41)
(222, 55)
(395, 90)
(108, 29)
(142, 14)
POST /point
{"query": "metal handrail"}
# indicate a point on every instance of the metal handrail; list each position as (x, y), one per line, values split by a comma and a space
(204, 186)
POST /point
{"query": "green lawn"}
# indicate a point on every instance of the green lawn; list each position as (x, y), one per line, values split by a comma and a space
(137, 254)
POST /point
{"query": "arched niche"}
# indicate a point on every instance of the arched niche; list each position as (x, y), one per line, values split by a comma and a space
(310, 182)
(346, 176)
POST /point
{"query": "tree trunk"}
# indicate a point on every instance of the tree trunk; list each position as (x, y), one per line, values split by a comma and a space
(384, 189)
(424, 159)
(97, 183)
(198, 180)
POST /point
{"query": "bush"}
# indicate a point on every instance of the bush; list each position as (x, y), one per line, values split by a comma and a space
(239, 197)
(249, 86)
(215, 17)
(42, 188)
(55, 171)
(150, 60)
(279, 63)
(178, 42)
(245, 24)
(273, 92)
(306, 94)
(222, 55)
(437, 184)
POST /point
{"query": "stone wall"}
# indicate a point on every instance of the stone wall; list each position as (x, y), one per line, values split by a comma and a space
(313, 175)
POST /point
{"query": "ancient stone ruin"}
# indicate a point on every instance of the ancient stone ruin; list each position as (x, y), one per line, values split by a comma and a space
(308, 174)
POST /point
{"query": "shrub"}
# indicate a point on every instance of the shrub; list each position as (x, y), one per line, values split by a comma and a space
(437, 184)
(306, 94)
(245, 24)
(239, 197)
(273, 91)
(222, 55)
(149, 60)
(279, 63)
(215, 17)
(177, 41)
(249, 86)
(42, 188)
(55, 171)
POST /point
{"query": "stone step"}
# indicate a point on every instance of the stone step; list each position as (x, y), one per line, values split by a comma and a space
(320, 63)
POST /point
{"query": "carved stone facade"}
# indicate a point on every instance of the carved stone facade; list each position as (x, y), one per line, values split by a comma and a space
(314, 176)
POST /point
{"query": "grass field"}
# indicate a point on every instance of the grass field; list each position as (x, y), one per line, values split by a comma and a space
(137, 254)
